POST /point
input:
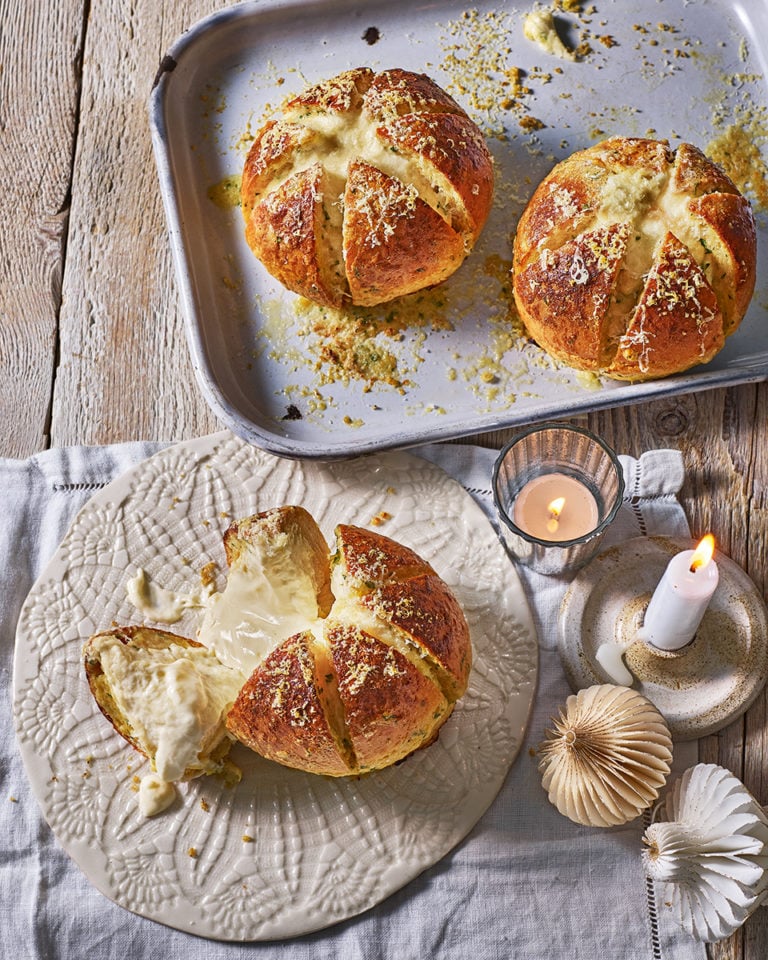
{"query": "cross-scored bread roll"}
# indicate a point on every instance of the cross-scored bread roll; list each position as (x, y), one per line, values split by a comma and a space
(370, 186)
(370, 683)
(634, 260)
(334, 664)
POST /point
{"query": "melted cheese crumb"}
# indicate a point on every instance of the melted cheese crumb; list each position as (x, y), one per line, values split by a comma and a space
(539, 28)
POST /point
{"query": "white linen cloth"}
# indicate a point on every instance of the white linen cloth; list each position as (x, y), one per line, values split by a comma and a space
(526, 883)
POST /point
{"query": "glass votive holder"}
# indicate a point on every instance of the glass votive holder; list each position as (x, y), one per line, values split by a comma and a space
(557, 488)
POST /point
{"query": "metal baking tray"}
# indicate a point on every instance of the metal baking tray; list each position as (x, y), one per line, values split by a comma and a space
(677, 69)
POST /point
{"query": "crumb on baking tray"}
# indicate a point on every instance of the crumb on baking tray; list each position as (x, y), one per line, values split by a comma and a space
(737, 151)
(359, 343)
(226, 193)
(292, 412)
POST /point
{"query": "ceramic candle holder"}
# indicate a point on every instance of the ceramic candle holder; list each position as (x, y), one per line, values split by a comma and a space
(700, 687)
(547, 457)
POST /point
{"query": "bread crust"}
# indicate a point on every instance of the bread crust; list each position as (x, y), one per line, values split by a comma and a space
(280, 713)
(390, 707)
(286, 231)
(391, 236)
(368, 559)
(634, 260)
(427, 615)
(401, 185)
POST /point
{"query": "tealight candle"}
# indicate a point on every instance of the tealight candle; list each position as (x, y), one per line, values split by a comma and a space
(681, 598)
(556, 489)
(555, 507)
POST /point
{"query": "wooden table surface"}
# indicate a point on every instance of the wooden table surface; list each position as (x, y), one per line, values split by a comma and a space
(92, 347)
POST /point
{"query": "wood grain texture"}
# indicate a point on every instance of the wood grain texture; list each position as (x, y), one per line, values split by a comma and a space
(121, 332)
(39, 94)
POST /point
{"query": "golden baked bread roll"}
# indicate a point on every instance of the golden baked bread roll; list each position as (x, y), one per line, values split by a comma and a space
(370, 683)
(370, 186)
(634, 260)
(335, 664)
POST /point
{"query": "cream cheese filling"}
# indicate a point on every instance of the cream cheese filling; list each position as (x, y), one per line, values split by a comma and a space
(159, 604)
(175, 700)
(259, 608)
(539, 28)
(345, 137)
(155, 795)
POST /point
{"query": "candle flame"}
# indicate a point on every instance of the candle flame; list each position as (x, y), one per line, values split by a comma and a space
(555, 509)
(703, 553)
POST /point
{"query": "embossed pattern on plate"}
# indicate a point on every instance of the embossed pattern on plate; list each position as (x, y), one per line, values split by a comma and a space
(284, 853)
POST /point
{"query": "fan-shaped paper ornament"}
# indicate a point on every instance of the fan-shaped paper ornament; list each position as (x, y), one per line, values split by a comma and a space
(711, 853)
(607, 757)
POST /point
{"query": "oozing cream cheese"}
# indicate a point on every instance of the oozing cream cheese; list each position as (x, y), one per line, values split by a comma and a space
(349, 136)
(174, 698)
(155, 795)
(159, 604)
(258, 609)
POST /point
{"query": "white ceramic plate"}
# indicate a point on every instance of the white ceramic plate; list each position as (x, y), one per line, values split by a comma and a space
(316, 850)
(677, 69)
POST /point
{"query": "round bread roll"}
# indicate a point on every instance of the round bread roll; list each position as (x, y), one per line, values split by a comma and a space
(369, 187)
(634, 260)
(333, 664)
(371, 682)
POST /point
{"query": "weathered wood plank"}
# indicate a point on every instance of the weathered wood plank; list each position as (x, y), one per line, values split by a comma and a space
(39, 93)
(122, 341)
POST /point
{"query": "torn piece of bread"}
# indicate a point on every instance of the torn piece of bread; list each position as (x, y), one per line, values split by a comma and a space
(166, 695)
